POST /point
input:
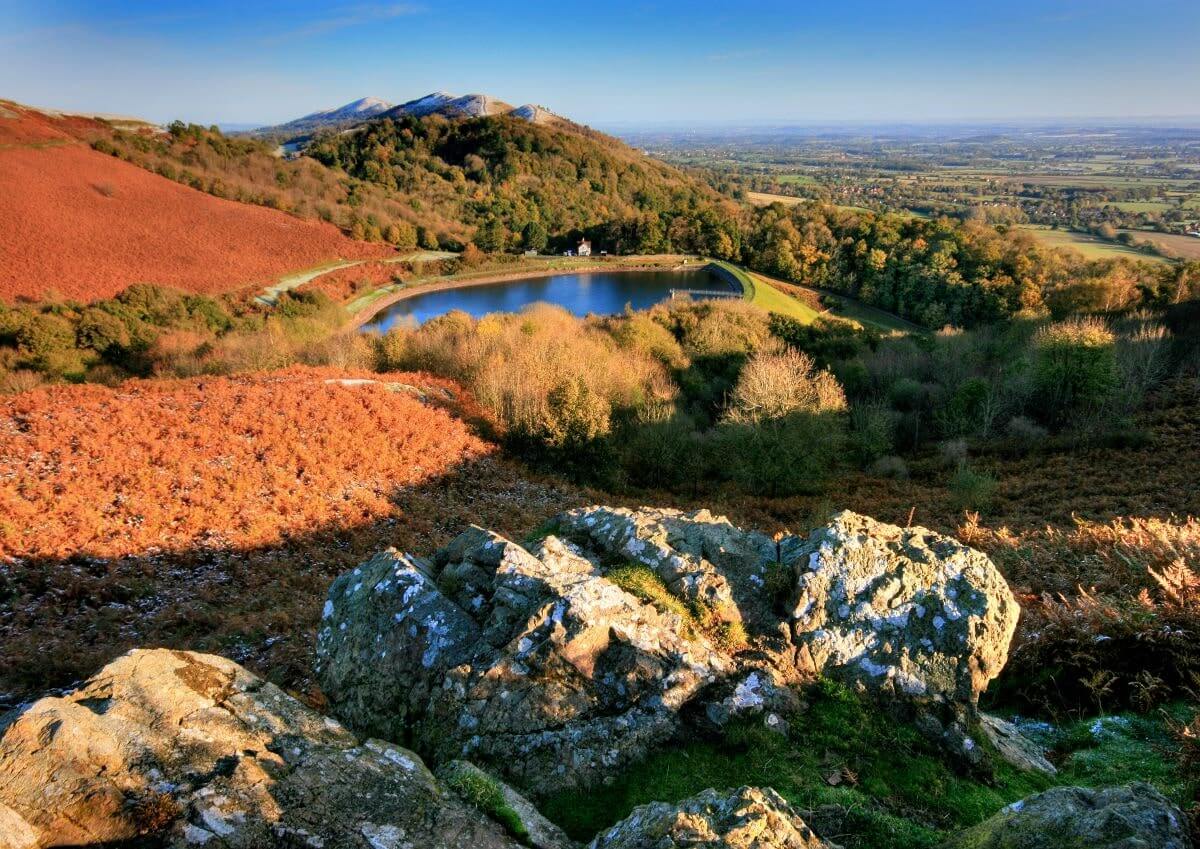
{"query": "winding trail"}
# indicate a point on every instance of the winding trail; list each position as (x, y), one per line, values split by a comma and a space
(270, 295)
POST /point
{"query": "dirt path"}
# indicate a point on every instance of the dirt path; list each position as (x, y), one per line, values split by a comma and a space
(270, 295)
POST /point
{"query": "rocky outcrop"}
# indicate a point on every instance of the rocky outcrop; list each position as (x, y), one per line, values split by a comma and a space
(186, 749)
(1132, 817)
(535, 663)
(528, 661)
(747, 818)
(898, 611)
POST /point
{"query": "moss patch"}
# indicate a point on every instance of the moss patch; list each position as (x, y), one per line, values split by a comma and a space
(892, 788)
(484, 793)
(1123, 748)
(644, 583)
(641, 581)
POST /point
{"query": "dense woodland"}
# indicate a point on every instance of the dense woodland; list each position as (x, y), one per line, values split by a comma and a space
(527, 186)
(944, 272)
(508, 185)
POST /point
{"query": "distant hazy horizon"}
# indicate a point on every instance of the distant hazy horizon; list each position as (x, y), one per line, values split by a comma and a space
(634, 65)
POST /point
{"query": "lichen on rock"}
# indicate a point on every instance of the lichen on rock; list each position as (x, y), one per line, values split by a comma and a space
(526, 660)
(190, 749)
(746, 818)
(1131, 817)
(537, 663)
(900, 611)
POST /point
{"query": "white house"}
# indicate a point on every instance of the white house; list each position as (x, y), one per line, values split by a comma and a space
(585, 248)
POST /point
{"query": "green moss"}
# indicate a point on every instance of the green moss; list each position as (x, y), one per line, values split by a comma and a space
(484, 793)
(893, 788)
(643, 582)
(1123, 748)
(730, 636)
(541, 532)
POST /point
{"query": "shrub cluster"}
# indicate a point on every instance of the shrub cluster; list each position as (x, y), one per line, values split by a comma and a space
(679, 396)
(153, 330)
(1012, 384)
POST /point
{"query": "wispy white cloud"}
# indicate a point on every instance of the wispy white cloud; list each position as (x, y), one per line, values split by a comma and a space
(347, 17)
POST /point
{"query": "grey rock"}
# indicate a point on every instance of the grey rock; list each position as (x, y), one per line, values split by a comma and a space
(746, 818)
(188, 749)
(1131, 817)
(699, 556)
(528, 662)
(758, 693)
(1015, 747)
(898, 611)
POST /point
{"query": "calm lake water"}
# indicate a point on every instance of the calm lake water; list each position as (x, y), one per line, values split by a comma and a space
(601, 292)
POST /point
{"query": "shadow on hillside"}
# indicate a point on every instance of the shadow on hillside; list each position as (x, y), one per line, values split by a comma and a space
(61, 619)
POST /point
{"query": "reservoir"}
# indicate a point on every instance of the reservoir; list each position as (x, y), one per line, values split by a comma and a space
(600, 292)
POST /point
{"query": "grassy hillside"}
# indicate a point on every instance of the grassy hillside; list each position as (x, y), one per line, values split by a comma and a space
(85, 226)
(499, 181)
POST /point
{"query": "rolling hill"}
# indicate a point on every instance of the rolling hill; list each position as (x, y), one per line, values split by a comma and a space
(519, 177)
(472, 106)
(442, 171)
(437, 103)
(84, 225)
(327, 119)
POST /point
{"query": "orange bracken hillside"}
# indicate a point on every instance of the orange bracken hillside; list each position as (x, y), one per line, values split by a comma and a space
(86, 225)
(216, 462)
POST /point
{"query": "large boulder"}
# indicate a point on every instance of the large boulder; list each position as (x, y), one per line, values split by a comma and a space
(528, 661)
(182, 749)
(702, 558)
(1133, 817)
(898, 611)
(747, 818)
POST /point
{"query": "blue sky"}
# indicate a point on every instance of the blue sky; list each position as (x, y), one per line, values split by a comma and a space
(614, 62)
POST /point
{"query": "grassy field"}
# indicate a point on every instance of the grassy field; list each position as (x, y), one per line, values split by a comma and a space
(773, 300)
(766, 199)
(1142, 206)
(1187, 247)
(762, 294)
(1088, 245)
(869, 316)
(838, 306)
(804, 303)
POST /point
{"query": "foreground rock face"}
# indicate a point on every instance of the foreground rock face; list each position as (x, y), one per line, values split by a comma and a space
(529, 661)
(1014, 746)
(700, 557)
(191, 749)
(747, 818)
(899, 611)
(1133, 817)
(534, 663)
